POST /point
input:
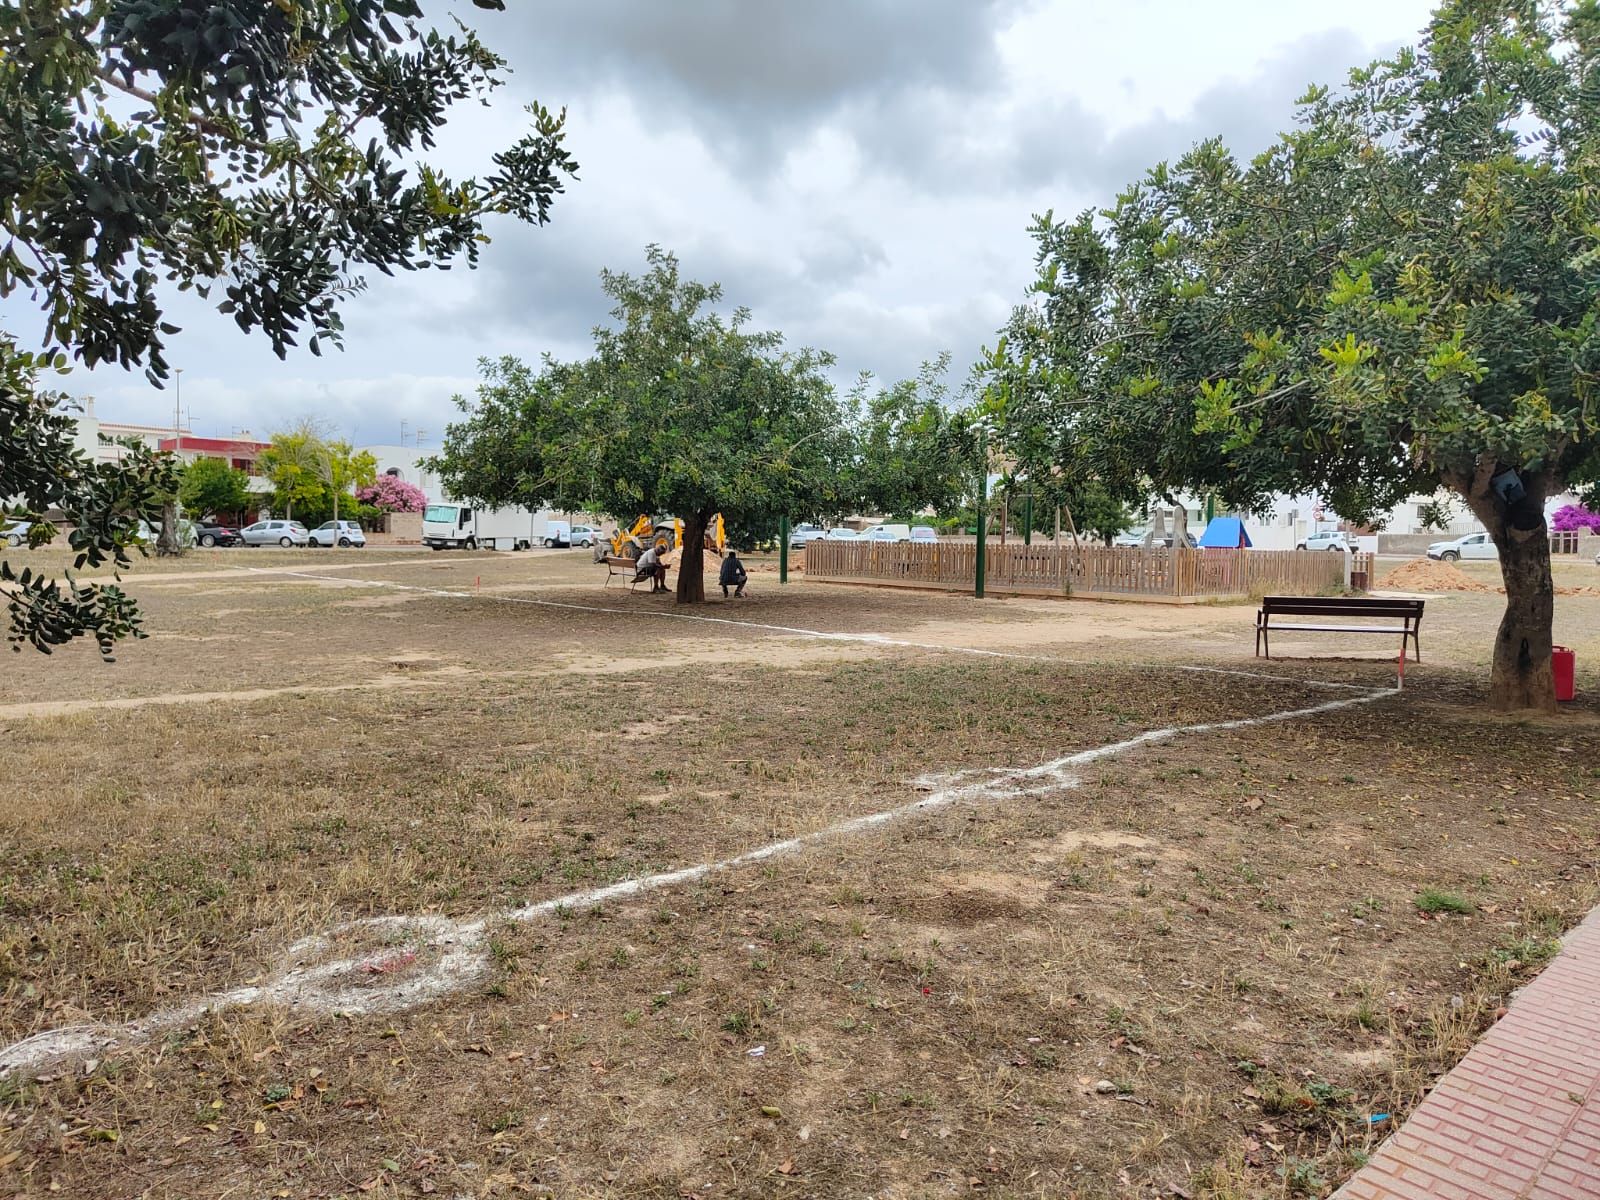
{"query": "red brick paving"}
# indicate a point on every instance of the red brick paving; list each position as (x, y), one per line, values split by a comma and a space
(1519, 1117)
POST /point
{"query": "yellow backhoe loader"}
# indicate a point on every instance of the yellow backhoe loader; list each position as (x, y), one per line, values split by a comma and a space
(664, 532)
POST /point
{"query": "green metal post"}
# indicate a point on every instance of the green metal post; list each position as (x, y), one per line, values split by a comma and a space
(983, 519)
(783, 550)
(1211, 507)
(1027, 519)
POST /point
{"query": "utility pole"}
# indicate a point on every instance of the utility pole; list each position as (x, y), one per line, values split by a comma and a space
(402, 431)
(177, 410)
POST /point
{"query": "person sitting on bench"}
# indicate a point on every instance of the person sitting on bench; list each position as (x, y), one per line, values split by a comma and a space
(733, 575)
(651, 567)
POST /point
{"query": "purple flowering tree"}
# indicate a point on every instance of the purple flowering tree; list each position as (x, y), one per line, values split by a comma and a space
(1573, 517)
(390, 494)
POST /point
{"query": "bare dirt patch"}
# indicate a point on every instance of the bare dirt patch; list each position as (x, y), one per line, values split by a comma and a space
(1224, 926)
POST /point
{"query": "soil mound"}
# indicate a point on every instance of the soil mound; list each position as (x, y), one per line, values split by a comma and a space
(1427, 575)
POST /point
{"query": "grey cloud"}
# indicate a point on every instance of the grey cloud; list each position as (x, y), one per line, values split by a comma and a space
(749, 76)
(546, 290)
(1060, 143)
(934, 137)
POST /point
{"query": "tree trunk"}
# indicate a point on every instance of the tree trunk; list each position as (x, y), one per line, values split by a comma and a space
(1520, 677)
(692, 559)
(167, 540)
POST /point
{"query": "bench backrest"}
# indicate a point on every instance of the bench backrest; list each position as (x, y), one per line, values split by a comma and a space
(1369, 606)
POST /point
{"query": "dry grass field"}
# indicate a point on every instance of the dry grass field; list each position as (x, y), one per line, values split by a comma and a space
(375, 874)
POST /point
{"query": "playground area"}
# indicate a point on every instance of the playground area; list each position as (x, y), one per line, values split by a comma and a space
(401, 874)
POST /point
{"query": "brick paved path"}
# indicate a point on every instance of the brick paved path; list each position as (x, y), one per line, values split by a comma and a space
(1519, 1118)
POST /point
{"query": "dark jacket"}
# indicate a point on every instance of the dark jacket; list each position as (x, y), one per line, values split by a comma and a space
(732, 571)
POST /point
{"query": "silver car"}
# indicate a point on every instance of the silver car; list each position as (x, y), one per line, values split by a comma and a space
(345, 533)
(275, 533)
(15, 535)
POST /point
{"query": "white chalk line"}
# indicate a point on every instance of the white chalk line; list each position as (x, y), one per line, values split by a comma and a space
(327, 986)
(352, 984)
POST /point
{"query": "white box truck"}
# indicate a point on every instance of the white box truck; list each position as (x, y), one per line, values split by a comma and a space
(451, 526)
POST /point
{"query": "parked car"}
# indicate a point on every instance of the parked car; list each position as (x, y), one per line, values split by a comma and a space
(841, 534)
(889, 533)
(275, 533)
(345, 533)
(1328, 539)
(208, 534)
(15, 535)
(1138, 539)
(801, 534)
(1474, 545)
(584, 535)
(148, 534)
(924, 533)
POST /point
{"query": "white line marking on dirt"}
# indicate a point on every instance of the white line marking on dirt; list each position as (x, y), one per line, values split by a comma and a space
(353, 984)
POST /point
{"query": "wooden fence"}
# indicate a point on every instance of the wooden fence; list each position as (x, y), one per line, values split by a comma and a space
(1084, 570)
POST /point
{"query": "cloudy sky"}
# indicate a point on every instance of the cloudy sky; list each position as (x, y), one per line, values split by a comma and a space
(860, 173)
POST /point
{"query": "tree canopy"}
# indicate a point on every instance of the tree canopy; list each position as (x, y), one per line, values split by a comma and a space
(679, 410)
(314, 473)
(211, 486)
(153, 144)
(1402, 293)
(915, 449)
(250, 152)
(42, 471)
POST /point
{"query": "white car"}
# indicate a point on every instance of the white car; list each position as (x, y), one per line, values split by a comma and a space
(344, 533)
(15, 535)
(1328, 539)
(924, 533)
(801, 534)
(275, 533)
(149, 535)
(1474, 545)
(841, 534)
(584, 535)
(889, 533)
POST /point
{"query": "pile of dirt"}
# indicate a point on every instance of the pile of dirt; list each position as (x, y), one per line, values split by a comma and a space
(1427, 575)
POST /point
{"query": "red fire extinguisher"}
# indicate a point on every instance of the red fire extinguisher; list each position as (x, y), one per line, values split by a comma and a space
(1563, 665)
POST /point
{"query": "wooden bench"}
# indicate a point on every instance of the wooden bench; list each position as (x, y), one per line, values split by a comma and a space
(1407, 612)
(625, 568)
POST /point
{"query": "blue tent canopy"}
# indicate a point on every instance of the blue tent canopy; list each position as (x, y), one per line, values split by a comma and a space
(1225, 533)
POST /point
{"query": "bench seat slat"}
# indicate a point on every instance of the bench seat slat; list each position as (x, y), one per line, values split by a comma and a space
(1340, 628)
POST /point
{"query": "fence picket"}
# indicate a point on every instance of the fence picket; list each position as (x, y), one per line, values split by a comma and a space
(1085, 570)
